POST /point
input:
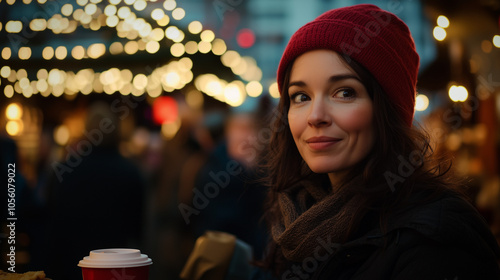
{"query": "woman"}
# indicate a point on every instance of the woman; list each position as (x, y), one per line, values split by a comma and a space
(355, 192)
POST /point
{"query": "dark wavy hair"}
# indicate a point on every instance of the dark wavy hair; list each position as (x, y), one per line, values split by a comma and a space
(386, 187)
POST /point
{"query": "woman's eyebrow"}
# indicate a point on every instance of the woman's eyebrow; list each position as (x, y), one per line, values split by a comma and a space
(342, 77)
(332, 79)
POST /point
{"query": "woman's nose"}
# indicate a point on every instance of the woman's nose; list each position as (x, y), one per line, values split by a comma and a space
(319, 114)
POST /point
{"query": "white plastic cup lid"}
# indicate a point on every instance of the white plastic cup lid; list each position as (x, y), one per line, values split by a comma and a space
(115, 258)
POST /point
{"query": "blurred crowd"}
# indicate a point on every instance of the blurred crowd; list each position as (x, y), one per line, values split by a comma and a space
(93, 194)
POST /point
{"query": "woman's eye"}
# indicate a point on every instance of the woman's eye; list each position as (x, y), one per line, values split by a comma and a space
(299, 97)
(346, 93)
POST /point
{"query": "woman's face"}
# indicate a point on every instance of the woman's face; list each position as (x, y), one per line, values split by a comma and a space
(331, 113)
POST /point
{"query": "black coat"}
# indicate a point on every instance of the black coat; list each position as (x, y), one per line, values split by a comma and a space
(445, 239)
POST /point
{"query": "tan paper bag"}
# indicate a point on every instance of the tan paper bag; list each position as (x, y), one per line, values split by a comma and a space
(210, 257)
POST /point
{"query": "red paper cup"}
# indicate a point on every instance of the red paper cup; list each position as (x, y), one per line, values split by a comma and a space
(119, 264)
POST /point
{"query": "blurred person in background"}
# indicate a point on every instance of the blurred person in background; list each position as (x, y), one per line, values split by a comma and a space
(96, 197)
(226, 185)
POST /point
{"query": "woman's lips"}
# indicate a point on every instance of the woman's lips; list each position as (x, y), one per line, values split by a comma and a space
(321, 142)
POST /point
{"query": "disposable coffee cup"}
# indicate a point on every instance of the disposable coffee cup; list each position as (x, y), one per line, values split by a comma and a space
(106, 264)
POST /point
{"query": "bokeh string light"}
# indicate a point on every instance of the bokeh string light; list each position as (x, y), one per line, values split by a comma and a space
(140, 27)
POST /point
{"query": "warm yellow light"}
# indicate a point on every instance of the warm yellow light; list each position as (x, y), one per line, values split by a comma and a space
(439, 33)
(77, 14)
(157, 14)
(179, 37)
(78, 52)
(6, 53)
(214, 88)
(154, 92)
(1, 25)
(61, 52)
(116, 48)
(61, 135)
(458, 93)
(129, 2)
(42, 74)
(171, 79)
(204, 47)
(195, 27)
(96, 50)
(14, 128)
(172, 32)
(67, 9)
(124, 12)
(33, 86)
(82, 2)
(14, 111)
(131, 47)
(274, 91)
(178, 13)
(421, 102)
(55, 77)
(115, 2)
(496, 41)
(126, 75)
(57, 90)
(191, 47)
(240, 68)
(230, 58)
(169, 5)
(11, 2)
(254, 88)
(110, 10)
(112, 21)
(27, 92)
(163, 21)
(157, 34)
(140, 5)
(21, 73)
(24, 53)
(13, 26)
(38, 24)
(8, 91)
(86, 19)
(95, 25)
(219, 46)
(152, 47)
(57, 23)
(177, 49)
(145, 31)
(90, 9)
(253, 73)
(233, 94)
(140, 81)
(169, 130)
(48, 53)
(42, 85)
(5, 71)
(126, 89)
(24, 83)
(185, 63)
(443, 21)
(207, 36)
(110, 76)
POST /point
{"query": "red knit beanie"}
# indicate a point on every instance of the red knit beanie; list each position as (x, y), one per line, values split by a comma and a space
(375, 38)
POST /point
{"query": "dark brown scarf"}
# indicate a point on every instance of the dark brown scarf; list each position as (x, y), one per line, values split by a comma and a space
(310, 212)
